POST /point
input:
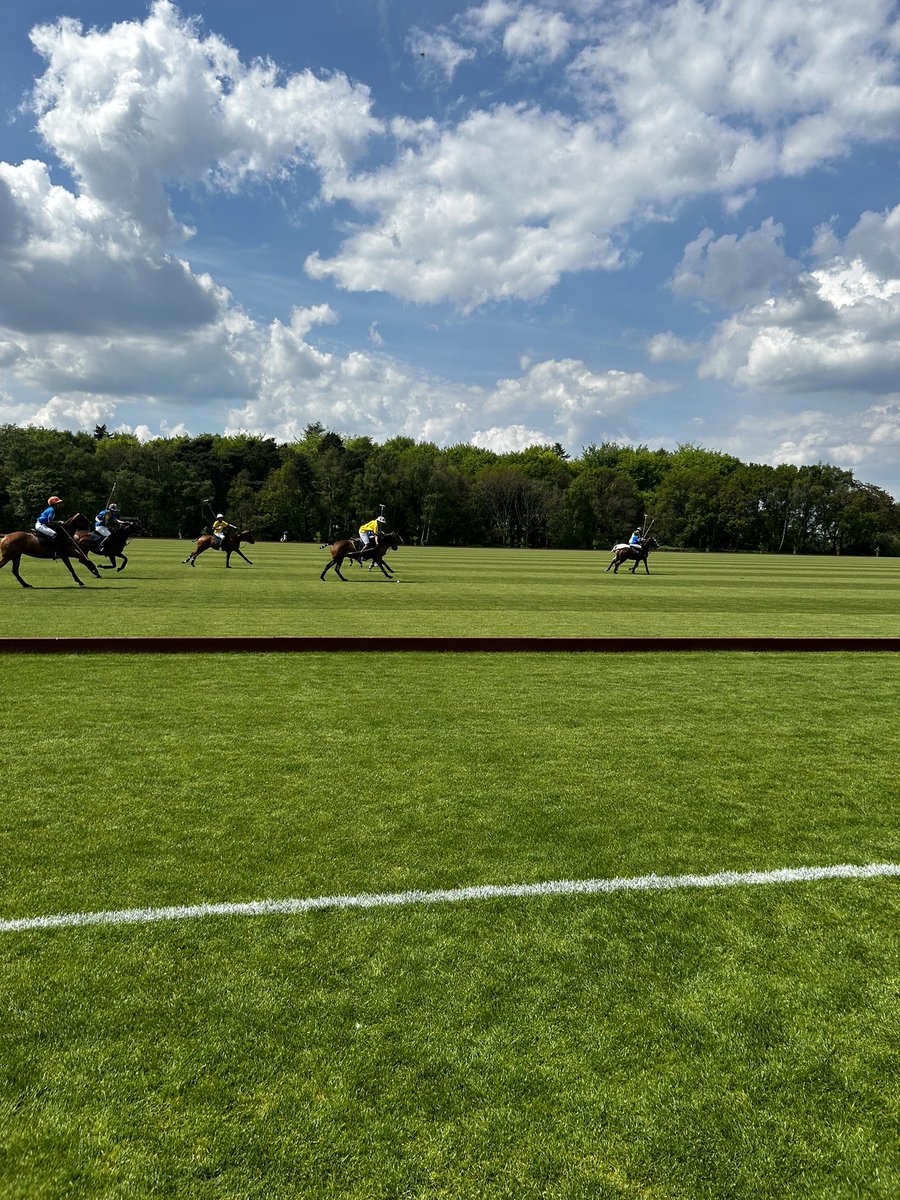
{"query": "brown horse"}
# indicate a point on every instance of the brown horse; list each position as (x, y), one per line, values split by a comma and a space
(352, 548)
(231, 543)
(113, 546)
(623, 553)
(14, 545)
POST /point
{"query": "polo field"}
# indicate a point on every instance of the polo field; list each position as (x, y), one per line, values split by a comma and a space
(499, 1028)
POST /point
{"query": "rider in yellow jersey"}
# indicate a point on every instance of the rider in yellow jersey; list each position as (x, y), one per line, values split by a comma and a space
(220, 528)
(369, 531)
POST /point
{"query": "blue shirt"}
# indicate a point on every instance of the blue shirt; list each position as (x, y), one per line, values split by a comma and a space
(47, 515)
(103, 517)
(635, 539)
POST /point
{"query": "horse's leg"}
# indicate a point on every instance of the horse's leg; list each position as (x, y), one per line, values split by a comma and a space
(380, 564)
(71, 570)
(243, 556)
(124, 561)
(15, 560)
(88, 565)
(337, 568)
(612, 563)
(327, 569)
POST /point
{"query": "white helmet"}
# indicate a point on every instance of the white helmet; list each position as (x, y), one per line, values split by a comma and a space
(220, 516)
(114, 507)
(380, 520)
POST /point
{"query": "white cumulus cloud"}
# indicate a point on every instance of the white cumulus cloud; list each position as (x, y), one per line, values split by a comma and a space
(732, 271)
(671, 102)
(836, 327)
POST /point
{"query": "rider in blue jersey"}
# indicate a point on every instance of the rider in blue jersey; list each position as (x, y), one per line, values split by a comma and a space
(44, 523)
(105, 522)
(635, 539)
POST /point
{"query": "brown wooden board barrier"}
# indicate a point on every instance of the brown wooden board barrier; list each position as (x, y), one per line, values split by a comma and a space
(466, 645)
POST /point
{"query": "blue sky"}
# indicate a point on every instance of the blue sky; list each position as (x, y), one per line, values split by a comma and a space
(504, 222)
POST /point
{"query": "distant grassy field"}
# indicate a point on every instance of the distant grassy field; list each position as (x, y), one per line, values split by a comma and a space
(725, 1043)
(458, 592)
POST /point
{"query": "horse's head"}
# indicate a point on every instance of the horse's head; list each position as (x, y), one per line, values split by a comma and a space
(392, 539)
(76, 522)
(247, 536)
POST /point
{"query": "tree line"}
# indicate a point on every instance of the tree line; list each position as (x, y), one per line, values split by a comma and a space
(325, 485)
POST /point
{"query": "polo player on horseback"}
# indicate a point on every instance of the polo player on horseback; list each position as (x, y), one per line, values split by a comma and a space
(45, 525)
(220, 528)
(105, 522)
(369, 531)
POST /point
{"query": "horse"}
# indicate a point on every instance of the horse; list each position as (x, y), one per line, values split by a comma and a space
(623, 552)
(231, 544)
(351, 548)
(63, 546)
(113, 546)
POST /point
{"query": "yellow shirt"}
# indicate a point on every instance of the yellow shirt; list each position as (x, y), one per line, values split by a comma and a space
(219, 526)
(372, 527)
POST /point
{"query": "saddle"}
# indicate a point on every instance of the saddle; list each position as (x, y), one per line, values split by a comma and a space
(49, 543)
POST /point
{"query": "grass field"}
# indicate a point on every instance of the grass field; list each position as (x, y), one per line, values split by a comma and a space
(458, 593)
(730, 1043)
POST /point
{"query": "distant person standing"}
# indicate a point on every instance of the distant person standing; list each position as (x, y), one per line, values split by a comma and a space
(284, 537)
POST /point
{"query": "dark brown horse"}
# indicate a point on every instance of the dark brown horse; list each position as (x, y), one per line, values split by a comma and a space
(352, 548)
(231, 544)
(14, 545)
(113, 546)
(623, 553)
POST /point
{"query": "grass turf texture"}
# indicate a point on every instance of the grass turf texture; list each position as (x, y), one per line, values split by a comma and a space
(457, 593)
(716, 1044)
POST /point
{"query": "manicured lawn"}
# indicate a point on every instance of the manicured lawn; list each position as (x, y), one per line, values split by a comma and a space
(458, 593)
(725, 1043)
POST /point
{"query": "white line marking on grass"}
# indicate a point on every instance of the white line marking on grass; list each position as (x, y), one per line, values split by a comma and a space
(561, 887)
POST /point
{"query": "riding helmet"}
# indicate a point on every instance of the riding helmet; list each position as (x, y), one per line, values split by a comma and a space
(55, 500)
